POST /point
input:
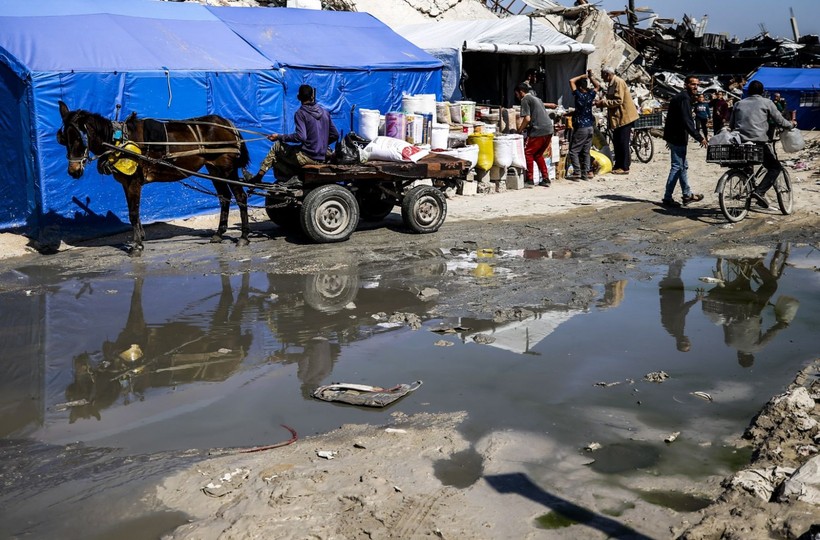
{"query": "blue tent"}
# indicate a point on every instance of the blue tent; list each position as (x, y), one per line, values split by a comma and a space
(172, 60)
(799, 86)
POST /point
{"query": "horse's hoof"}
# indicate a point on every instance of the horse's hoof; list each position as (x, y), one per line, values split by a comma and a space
(216, 239)
(135, 251)
(243, 242)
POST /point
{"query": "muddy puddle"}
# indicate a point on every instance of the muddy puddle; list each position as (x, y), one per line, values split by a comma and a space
(146, 364)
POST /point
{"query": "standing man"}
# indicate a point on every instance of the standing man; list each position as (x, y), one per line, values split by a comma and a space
(537, 125)
(622, 114)
(720, 112)
(313, 135)
(679, 125)
(751, 118)
(702, 115)
(583, 123)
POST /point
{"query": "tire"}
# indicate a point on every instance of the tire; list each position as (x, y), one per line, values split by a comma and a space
(423, 209)
(735, 195)
(644, 146)
(329, 213)
(785, 195)
(374, 204)
(286, 217)
(330, 292)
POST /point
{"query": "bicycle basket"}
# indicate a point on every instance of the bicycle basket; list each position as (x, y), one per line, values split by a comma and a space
(734, 154)
(649, 121)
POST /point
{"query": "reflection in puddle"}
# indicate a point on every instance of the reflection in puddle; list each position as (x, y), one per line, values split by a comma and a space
(625, 457)
(461, 470)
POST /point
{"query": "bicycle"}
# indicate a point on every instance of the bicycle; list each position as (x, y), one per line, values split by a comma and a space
(736, 186)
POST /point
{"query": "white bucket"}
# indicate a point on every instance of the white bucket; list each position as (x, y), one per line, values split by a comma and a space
(409, 104)
(369, 120)
(426, 104)
(441, 132)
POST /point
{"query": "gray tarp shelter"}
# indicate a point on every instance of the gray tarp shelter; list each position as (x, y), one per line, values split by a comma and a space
(495, 54)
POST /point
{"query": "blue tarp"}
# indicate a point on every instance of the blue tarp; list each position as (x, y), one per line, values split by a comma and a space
(173, 60)
(799, 86)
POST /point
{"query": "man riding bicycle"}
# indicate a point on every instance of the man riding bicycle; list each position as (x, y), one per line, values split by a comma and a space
(751, 119)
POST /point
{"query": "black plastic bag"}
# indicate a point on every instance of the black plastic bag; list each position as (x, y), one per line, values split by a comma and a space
(348, 149)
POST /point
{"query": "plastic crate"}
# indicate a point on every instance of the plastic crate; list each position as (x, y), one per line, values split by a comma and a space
(649, 121)
(731, 154)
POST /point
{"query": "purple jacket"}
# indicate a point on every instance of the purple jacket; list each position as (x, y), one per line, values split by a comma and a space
(314, 131)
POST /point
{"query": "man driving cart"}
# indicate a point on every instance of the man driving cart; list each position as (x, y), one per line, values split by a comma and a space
(313, 134)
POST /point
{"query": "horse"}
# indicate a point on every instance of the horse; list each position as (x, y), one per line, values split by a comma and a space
(138, 152)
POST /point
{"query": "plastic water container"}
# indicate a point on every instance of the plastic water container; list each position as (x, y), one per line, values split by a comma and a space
(369, 123)
(440, 135)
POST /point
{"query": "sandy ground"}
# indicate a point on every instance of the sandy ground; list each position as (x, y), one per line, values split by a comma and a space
(382, 481)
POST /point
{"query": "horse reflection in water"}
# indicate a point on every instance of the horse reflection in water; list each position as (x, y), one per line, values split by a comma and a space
(146, 356)
(738, 303)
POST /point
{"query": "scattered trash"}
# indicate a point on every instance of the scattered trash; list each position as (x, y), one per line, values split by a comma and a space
(656, 376)
(443, 343)
(707, 279)
(362, 394)
(359, 445)
(593, 446)
(427, 293)
(327, 454)
(394, 430)
(273, 296)
(226, 483)
(483, 339)
(607, 384)
(702, 395)
(672, 437)
(111, 291)
(350, 305)
(397, 488)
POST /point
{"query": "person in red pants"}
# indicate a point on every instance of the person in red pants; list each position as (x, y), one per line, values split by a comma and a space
(536, 123)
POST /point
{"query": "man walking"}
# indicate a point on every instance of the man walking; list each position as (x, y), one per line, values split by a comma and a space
(679, 125)
(622, 113)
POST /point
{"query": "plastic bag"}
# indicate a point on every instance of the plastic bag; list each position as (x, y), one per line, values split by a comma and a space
(725, 137)
(792, 141)
(348, 149)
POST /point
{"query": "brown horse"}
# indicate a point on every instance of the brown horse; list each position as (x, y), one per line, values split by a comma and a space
(157, 151)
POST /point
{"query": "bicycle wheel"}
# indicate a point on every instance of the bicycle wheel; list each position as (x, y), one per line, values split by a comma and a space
(735, 195)
(643, 145)
(785, 195)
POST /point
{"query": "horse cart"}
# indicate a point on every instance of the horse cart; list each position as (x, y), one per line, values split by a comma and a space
(327, 206)
(333, 198)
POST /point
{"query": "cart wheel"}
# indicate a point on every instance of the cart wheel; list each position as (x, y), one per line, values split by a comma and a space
(423, 209)
(374, 204)
(286, 217)
(329, 214)
(330, 292)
